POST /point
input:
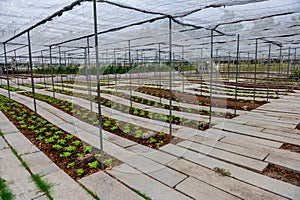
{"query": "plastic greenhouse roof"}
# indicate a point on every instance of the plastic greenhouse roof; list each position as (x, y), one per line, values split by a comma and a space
(145, 24)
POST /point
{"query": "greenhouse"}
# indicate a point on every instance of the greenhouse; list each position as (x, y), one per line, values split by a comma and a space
(112, 99)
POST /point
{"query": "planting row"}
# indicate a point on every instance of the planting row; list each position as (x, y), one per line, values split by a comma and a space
(65, 150)
(200, 125)
(135, 133)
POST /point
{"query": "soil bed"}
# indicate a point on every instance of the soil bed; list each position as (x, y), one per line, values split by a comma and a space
(291, 147)
(282, 174)
(202, 100)
(298, 126)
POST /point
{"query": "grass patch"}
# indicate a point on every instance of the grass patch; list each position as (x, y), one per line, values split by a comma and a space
(42, 185)
(142, 194)
(5, 192)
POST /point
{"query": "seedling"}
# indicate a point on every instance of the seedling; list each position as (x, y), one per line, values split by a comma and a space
(76, 142)
(39, 138)
(65, 154)
(79, 171)
(93, 165)
(70, 165)
(87, 149)
(68, 137)
(57, 147)
(61, 141)
(70, 148)
(108, 161)
(152, 140)
(49, 140)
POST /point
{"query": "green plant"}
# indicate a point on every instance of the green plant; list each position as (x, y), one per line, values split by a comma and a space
(98, 155)
(42, 185)
(108, 161)
(87, 149)
(222, 172)
(68, 137)
(107, 123)
(65, 154)
(152, 140)
(61, 141)
(79, 171)
(5, 192)
(31, 128)
(93, 165)
(79, 154)
(23, 126)
(126, 129)
(57, 147)
(70, 165)
(76, 142)
(39, 138)
(49, 140)
(70, 148)
(58, 132)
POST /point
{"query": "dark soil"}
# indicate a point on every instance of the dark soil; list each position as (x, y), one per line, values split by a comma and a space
(291, 147)
(282, 174)
(202, 100)
(248, 85)
(298, 126)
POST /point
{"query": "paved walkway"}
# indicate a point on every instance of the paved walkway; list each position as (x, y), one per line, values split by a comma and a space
(185, 170)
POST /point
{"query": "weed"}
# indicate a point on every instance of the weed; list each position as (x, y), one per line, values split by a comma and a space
(5, 193)
(44, 186)
(222, 172)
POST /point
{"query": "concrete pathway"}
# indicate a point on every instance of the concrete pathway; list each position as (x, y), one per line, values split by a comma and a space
(185, 170)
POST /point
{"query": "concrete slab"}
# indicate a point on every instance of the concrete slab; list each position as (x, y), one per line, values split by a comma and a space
(64, 187)
(200, 190)
(140, 149)
(224, 155)
(230, 147)
(119, 140)
(152, 188)
(285, 162)
(39, 163)
(3, 144)
(156, 170)
(112, 189)
(279, 187)
(227, 184)
(8, 127)
(160, 157)
(16, 176)
(20, 143)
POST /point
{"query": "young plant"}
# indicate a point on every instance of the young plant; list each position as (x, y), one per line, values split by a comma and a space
(79, 171)
(70, 165)
(108, 161)
(87, 149)
(57, 147)
(93, 165)
(49, 140)
(65, 154)
(70, 148)
(76, 142)
(68, 137)
(61, 141)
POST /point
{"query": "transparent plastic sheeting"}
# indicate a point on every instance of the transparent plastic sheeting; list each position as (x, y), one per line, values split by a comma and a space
(272, 20)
